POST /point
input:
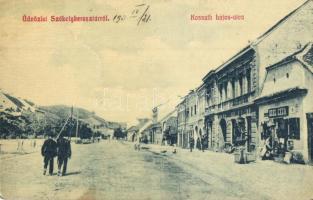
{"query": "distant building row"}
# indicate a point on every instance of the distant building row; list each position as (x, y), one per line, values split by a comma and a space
(264, 90)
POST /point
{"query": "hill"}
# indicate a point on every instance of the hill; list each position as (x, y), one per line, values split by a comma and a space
(64, 111)
(23, 118)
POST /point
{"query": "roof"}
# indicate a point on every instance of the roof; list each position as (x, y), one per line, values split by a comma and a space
(229, 61)
(14, 103)
(167, 107)
(145, 126)
(257, 41)
(283, 20)
(304, 56)
(208, 75)
(181, 102)
(237, 55)
(92, 121)
(172, 113)
(288, 93)
(133, 128)
(200, 87)
(5, 102)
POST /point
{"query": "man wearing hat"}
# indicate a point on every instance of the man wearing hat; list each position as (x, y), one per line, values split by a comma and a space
(64, 152)
(48, 151)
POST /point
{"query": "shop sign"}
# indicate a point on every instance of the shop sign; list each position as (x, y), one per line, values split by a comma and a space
(278, 112)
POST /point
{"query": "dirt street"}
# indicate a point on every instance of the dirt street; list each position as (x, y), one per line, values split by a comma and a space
(114, 170)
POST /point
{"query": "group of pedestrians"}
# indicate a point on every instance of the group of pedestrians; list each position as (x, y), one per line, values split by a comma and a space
(200, 142)
(60, 149)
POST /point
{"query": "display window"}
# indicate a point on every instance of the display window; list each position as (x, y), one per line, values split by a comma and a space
(294, 128)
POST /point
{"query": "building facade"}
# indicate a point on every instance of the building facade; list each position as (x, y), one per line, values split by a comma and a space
(168, 126)
(285, 105)
(230, 116)
(190, 118)
(182, 137)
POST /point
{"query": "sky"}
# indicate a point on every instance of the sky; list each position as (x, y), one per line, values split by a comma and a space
(122, 70)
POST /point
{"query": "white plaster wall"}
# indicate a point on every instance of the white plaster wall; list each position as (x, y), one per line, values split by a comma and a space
(307, 107)
(296, 78)
(287, 38)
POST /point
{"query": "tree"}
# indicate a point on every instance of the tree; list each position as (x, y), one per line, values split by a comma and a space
(85, 132)
(119, 134)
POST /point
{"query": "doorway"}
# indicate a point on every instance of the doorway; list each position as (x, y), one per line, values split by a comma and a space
(310, 135)
(223, 127)
(209, 134)
(249, 135)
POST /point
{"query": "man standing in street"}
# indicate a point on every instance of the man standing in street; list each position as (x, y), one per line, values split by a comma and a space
(191, 142)
(48, 151)
(64, 153)
(203, 140)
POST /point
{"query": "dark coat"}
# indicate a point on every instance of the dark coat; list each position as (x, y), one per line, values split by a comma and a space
(191, 142)
(49, 148)
(64, 148)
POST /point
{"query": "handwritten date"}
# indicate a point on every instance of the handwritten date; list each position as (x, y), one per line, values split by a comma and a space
(140, 13)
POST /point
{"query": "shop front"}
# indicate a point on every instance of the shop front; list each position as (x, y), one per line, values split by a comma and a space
(309, 117)
(285, 107)
(238, 128)
(283, 126)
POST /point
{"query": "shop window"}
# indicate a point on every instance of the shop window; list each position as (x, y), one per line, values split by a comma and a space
(266, 131)
(282, 125)
(294, 128)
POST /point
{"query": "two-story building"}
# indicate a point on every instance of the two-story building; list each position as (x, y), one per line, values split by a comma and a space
(182, 137)
(202, 104)
(190, 118)
(285, 104)
(168, 126)
(231, 116)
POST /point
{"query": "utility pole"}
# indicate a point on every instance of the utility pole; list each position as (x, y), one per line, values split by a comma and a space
(77, 124)
(70, 133)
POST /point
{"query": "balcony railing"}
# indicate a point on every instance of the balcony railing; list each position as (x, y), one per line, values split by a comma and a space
(229, 103)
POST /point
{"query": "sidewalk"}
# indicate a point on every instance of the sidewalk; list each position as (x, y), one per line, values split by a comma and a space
(278, 181)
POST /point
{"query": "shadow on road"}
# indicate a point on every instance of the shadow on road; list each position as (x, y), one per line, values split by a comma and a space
(72, 173)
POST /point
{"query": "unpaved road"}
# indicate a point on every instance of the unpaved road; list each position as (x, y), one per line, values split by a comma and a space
(114, 170)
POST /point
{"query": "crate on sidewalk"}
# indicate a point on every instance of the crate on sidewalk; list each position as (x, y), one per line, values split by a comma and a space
(251, 157)
(241, 156)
